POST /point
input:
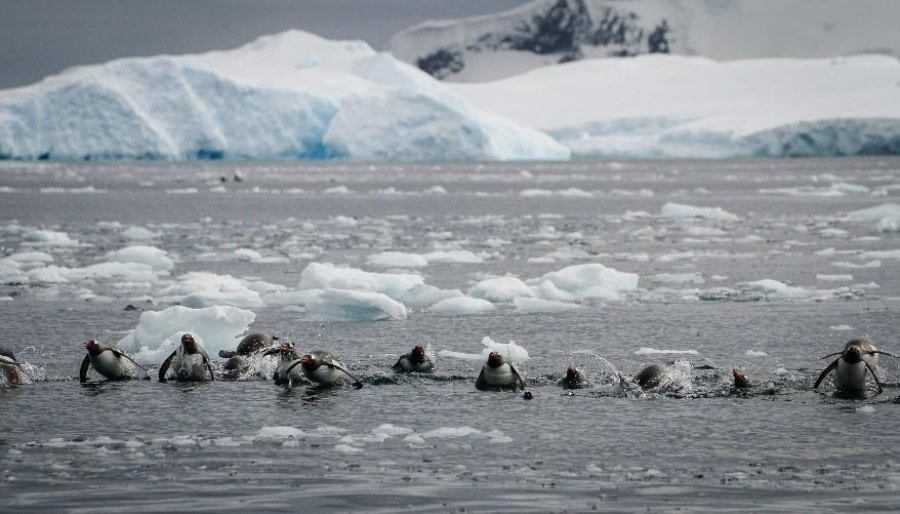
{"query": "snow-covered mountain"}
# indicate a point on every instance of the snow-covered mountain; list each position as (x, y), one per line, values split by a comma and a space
(290, 95)
(547, 32)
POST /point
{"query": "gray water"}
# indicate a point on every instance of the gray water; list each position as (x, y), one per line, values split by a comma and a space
(434, 443)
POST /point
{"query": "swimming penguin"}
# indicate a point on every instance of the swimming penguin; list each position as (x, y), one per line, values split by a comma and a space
(498, 374)
(323, 368)
(239, 360)
(650, 377)
(250, 344)
(289, 370)
(10, 370)
(416, 360)
(858, 356)
(574, 379)
(109, 361)
(740, 379)
(189, 362)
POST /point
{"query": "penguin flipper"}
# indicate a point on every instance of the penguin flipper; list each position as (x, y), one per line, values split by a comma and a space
(398, 367)
(831, 355)
(227, 354)
(209, 366)
(356, 383)
(874, 376)
(519, 380)
(287, 371)
(882, 353)
(85, 365)
(831, 367)
(480, 383)
(164, 368)
(126, 356)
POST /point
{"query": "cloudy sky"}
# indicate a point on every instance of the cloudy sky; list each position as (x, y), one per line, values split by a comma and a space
(43, 37)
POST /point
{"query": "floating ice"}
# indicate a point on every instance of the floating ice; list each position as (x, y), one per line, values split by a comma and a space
(885, 210)
(774, 289)
(279, 433)
(511, 351)
(755, 353)
(139, 234)
(246, 254)
(159, 332)
(462, 305)
(584, 281)
(453, 256)
(678, 210)
(289, 95)
(327, 276)
(204, 289)
(501, 289)
(149, 255)
(533, 305)
(48, 238)
(833, 278)
(25, 258)
(397, 260)
(342, 304)
(840, 328)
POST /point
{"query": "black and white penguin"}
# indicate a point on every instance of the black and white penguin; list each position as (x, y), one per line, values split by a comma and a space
(858, 357)
(189, 363)
(324, 369)
(498, 374)
(416, 360)
(574, 379)
(289, 371)
(239, 360)
(109, 361)
(10, 369)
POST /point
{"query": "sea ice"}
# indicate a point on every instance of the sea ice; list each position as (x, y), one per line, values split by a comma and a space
(154, 257)
(159, 332)
(342, 304)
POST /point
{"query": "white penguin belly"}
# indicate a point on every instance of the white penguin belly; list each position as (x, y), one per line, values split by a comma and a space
(500, 376)
(190, 367)
(850, 377)
(110, 365)
(325, 374)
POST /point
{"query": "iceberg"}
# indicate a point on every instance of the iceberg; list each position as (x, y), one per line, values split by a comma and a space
(292, 95)
(159, 332)
(669, 106)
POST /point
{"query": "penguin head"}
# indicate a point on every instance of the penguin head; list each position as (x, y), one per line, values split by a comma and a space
(852, 354)
(188, 343)
(309, 362)
(417, 355)
(287, 351)
(740, 380)
(93, 347)
(494, 360)
(571, 374)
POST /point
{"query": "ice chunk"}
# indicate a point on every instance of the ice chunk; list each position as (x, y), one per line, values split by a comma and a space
(678, 210)
(328, 276)
(501, 289)
(149, 255)
(204, 289)
(342, 304)
(462, 305)
(584, 281)
(159, 332)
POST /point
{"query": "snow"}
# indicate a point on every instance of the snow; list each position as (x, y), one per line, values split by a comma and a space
(159, 332)
(721, 30)
(288, 95)
(675, 106)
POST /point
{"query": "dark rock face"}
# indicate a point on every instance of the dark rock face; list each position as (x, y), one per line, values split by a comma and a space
(564, 28)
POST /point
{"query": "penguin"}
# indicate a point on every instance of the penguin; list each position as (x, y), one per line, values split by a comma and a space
(740, 380)
(189, 362)
(109, 361)
(416, 360)
(574, 379)
(497, 374)
(650, 377)
(250, 344)
(324, 369)
(858, 356)
(239, 360)
(289, 370)
(10, 369)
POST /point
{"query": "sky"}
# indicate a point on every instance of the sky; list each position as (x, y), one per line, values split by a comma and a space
(43, 37)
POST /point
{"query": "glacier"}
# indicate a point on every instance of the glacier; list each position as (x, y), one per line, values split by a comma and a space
(292, 95)
(670, 106)
(547, 32)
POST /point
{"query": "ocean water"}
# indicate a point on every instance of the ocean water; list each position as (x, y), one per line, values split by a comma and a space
(434, 443)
